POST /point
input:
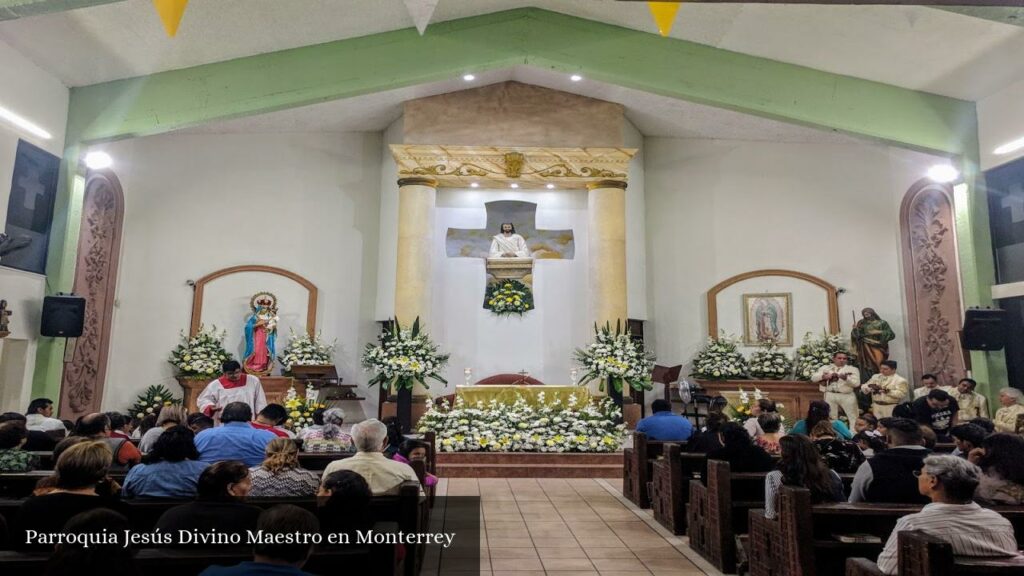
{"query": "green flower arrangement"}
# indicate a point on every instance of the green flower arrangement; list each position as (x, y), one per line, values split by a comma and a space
(152, 400)
(507, 297)
(202, 356)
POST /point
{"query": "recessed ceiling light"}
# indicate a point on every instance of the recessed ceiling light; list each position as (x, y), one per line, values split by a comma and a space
(474, 185)
(943, 173)
(513, 185)
(1010, 147)
(98, 160)
(575, 77)
(24, 124)
(468, 77)
(550, 186)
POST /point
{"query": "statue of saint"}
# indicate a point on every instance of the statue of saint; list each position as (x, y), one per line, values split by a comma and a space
(508, 244)
(870, 337)
(261, 334)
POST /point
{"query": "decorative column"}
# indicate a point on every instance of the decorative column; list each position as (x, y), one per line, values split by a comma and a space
(607, 258)
(416, 199)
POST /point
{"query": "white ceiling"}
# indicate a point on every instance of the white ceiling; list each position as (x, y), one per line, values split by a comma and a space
(914, 47)
(652, 115)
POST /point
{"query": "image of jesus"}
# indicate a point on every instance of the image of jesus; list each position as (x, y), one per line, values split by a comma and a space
(508, 244)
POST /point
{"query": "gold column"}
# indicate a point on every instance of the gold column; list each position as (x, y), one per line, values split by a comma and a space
(416, 200)
(607, 259)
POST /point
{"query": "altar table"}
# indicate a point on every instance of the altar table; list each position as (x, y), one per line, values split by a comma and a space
(506, 394)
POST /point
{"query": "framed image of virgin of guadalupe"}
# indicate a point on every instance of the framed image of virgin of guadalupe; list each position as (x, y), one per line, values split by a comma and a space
(768, 317)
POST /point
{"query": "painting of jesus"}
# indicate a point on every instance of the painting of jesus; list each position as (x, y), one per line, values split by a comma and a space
(767, 317)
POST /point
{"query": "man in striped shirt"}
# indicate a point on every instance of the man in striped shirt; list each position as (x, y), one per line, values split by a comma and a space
(970, 529)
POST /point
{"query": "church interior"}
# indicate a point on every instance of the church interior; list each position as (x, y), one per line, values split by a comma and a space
(715, 207)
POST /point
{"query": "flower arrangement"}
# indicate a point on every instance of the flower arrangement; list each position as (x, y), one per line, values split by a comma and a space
(201, 356)
(152, 400)
(617, 357)
(720, 359)
(769, 363)
(305, 350)
(403, 357)
(507, 297)
(743, 407)
(300, 410)
(816, 352)
(520, 427)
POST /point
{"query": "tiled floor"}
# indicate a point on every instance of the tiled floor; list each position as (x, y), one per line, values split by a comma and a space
(569, 526)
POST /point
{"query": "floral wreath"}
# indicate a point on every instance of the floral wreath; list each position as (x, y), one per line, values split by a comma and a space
(506, 297)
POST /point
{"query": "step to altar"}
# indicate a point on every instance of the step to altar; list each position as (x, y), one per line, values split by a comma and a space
(528, 465)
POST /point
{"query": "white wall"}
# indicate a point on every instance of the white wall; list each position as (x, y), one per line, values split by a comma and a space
(1000, 120)
(40, 98)
(308, 203)
(719, 208)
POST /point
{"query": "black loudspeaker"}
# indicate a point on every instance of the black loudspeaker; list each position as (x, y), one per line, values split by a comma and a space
(984, 329)
(63, 316)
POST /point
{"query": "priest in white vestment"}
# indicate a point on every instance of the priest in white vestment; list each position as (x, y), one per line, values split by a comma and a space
(508, 244)
(233, 386)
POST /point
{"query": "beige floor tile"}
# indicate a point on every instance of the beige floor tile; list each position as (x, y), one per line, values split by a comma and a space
(606, 552)
(625, 573)
(618, 564)
(662, 553)
(515, 564)
(510, 542)
(555, 542)
(501, 553)
(561, 553)
(572, 573)
(666, 563)
(517, 573)
(566, 564)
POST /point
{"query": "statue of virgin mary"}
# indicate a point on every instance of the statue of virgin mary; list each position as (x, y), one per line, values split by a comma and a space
(261, 334)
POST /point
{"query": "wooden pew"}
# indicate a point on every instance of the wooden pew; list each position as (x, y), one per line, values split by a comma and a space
(637, 468)
(21, 484)
(670, 485)
(801, 542)
(924, 555)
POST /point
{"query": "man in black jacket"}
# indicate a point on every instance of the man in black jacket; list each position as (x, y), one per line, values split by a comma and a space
(888, 476)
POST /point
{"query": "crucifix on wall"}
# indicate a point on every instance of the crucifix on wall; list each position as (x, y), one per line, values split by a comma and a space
(503, 264)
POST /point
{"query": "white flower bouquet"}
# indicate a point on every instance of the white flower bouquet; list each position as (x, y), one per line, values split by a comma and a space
(720, 359)
(769, 363)
(201, 356)
(816, 352)
(403, 357)
(617, 357)
(152, 400)
(519, 427)
(305, 350)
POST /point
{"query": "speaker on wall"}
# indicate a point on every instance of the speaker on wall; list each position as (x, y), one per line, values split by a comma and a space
(984, 329)
(63, 316)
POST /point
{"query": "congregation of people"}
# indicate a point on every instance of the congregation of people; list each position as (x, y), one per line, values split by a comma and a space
(890, 449)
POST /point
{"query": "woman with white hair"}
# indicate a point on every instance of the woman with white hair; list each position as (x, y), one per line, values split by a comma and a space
(1006, 417)
(949, 482)
(327, 434)
(382, 474)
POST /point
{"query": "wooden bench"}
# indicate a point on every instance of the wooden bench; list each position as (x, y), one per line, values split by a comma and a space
(924, 555)
(637, 467)
(801, 542)
(670, 485)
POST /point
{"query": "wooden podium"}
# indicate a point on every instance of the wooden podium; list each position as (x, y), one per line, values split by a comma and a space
(274, 387)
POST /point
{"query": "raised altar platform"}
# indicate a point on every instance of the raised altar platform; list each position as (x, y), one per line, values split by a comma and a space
(529, 465)
(795, 395)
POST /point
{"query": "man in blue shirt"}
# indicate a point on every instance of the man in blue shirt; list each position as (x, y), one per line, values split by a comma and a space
(662, 424)
(235, 440)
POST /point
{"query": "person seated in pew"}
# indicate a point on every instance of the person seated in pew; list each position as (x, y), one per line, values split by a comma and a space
(802, 466)
(281, 475)
(1001, 459)
(928, 437)
(120, 425)
(411, 450)
(866, 422)
(985, 424)
(663, 425)
(396, 435)
(49, 483)
(938, 411)
(819, 411)
(98, 557)
(235, 439)
(272, 418)
(708, 439)
(762, 406)
(12, 457)
(198, 422)
(39, 417)
(220, 503)
(169, 417)
(770, 425)
(269, 557)
(326, 433)
(966, 437)
(870, 443)
(343, 503)
(888, 476)
(382, 474)
(739, 451)
(35, 441)
(79, 470)
(842, 456)
(145, 425)
(96, 426)
(1010, 402)
(170, 470)
(949, 483)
